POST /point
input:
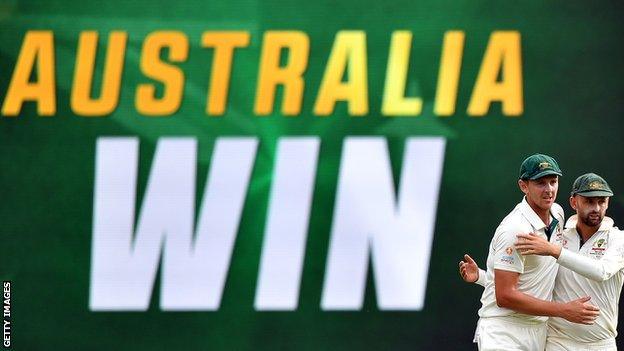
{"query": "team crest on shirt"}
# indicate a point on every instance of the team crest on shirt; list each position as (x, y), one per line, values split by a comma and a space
(560, 239)
(509, 250)
(598, 249)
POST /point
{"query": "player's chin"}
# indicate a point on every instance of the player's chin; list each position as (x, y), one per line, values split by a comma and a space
(594, 222)
(547, 202)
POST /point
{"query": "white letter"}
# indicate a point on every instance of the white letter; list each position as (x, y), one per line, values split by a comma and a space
(123, 269)
(287, 224)
(193, 278)
(367, 217)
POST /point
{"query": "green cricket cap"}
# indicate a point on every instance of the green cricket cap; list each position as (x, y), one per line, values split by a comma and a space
(591, 185)
(537, 166)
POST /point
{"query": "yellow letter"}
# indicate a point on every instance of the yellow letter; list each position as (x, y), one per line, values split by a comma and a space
(271, 74)
(81, 102)
(394, 102)
(171, 76)
(224, 44)
(38, 48)
(448, 78)
(349, 48)
(503, 50)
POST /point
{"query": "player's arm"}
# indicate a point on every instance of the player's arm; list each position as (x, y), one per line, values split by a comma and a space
(508, 265)
(508, 296)
(531, 244)
(598, 270)
(470, 271)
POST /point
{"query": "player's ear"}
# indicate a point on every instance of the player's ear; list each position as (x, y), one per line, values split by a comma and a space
(573, 202)
(523, 185)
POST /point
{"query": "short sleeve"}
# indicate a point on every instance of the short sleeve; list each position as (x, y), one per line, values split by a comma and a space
(506, 257)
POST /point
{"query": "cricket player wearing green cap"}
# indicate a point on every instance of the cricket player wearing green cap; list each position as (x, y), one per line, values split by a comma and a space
(591, 259)
(516, 302)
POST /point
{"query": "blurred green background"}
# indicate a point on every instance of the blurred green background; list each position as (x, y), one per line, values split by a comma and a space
(572, 66)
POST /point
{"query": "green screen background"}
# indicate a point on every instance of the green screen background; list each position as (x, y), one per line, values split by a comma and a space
(572, 57)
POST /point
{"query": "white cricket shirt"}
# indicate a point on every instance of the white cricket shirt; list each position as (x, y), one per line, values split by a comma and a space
(537, 273)
(598, 263)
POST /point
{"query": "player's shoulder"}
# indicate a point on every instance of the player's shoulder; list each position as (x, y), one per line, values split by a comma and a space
(515, 219)
(615, 231)
(513, 224)
(608, 226)
(557, 210)
(615, 236)
(610, 232)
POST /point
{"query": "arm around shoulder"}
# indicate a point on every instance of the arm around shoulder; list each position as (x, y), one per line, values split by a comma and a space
(597, 270)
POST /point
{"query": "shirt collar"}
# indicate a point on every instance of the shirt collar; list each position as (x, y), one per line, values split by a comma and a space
(531, 216)
(607, 223)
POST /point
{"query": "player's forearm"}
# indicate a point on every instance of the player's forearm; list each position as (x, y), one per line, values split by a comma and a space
(526, 304)
(598, 270)
(555, 250)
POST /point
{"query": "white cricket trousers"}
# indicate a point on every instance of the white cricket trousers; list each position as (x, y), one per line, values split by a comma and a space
(510, 334)
(564, 344)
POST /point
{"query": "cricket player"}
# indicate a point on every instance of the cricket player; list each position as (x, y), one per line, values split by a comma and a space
(591, 259)
(517, 298)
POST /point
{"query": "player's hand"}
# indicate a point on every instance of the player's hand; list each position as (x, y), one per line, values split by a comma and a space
(468, 269)
(580, 311)
(531, 244)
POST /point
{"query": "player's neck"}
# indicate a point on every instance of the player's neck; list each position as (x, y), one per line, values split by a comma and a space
(545, 217)
(586, 231)
(543, 214)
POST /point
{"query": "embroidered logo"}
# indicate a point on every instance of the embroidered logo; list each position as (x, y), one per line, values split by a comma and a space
(508, 259)
(509, 250)
(595, 185)
(598, 249)
(542, 166)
